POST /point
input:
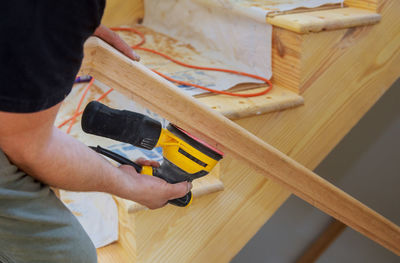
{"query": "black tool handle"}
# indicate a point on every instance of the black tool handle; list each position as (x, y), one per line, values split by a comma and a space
(121, 125)
(182, 201)
(116, 157)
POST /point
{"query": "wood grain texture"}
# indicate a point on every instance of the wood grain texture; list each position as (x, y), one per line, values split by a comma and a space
(304, 9)
(184, 235)
(235, 108)
(326, 238)
(162, 97)
(295, 57)
(287, 59)
(356, 68)
(113, 253)
(318, 21)
(372, 5)
(119, 12)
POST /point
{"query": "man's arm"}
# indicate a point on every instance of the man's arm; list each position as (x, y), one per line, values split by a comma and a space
(33, 144)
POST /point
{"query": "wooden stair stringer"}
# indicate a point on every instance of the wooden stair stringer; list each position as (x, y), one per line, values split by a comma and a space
(370, 85)
(339, 93)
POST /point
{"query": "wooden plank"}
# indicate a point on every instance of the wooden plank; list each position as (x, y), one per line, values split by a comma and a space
(372, 5)
(160, 96)
(294, 61)
(318, 21)
(171, 234)
(319, 246)
(287, 59)
(113, 253)
(304, 9)
(235, 108)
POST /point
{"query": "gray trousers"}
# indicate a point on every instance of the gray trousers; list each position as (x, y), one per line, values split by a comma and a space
(35, 226)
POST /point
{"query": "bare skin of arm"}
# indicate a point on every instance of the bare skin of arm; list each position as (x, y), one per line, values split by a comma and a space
(33, 144)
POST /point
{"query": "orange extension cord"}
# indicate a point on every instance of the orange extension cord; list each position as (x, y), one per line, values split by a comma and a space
(143, 40)
(77, 113)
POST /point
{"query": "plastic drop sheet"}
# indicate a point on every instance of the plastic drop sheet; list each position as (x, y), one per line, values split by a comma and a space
(233, 33)
(97, 213)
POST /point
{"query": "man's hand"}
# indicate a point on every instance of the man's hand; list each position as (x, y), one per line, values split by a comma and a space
(150, 191)
(114, 40)
(144, 162)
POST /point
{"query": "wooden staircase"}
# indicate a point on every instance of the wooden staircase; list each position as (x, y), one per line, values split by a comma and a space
(339, 60)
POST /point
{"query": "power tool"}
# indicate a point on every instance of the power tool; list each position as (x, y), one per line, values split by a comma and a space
(185, 158)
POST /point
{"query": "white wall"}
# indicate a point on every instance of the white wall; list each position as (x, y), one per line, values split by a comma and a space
(366, 164)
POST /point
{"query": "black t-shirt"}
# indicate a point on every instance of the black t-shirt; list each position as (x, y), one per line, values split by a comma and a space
(41, 50)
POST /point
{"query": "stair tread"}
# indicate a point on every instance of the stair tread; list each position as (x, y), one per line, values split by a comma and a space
(278, 98)
(113, 253)
(331, 19)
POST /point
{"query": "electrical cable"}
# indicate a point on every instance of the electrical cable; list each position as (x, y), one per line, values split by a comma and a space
(245, 95)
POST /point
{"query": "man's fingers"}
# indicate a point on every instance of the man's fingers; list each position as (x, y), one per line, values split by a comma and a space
(152, 191)
(179, 190)
(144, 162)
(122, 46)
(114, 40)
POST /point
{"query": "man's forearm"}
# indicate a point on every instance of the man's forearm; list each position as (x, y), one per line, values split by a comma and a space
(33, 144)
(69, 164)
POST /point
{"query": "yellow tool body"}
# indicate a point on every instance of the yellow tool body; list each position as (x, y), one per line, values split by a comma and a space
(171, 144)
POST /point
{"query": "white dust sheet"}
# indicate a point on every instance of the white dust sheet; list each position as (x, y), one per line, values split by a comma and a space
(233, 33)
(97, 213)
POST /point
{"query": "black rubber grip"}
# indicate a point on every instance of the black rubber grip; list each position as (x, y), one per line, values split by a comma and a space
(116, 157)
(121, 125)
(182, 201)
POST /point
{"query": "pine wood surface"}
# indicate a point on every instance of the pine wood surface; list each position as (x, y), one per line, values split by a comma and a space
(277, 99)
(345, 217)
(354, 71)
(113, 253)
(331, 19)
(164, 98)
(372, 5)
